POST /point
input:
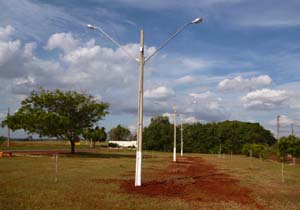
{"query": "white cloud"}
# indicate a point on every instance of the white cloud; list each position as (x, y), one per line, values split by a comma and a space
(5, 32)
(206, 107)
(64, 41)
(190, 119)
(185, 80)
(204, 95)
(239, 83)
(169, 115)
(265, 99)
(160, 93)
(283, 121)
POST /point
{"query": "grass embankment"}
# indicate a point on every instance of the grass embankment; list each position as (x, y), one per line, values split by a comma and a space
(88, 181)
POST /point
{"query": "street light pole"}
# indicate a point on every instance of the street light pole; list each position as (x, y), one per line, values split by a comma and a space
(278, 127)
(8, 130)
(138, 164)
(174, 147)
(142, 60)
(181, 130)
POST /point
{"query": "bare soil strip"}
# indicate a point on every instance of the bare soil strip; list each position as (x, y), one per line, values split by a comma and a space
(193, 179)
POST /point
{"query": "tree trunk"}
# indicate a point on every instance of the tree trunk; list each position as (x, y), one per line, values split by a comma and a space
(94, 144)
(72, 146)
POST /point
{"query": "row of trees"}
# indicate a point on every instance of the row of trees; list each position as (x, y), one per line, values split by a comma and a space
(285, 148)
(71, 115)
(227, 136)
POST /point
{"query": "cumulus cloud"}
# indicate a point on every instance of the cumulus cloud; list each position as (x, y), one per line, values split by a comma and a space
(15, 59)
(206, 107)
(265, 99)
(239, 83)
(159, 93)
(5, 32)
(64, 41)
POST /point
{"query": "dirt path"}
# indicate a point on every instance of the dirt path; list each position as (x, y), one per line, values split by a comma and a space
(193, 179)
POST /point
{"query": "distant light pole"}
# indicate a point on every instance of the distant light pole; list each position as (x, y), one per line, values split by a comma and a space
(181, 137)
(278, 127)
(8, 130)
(142, 61)
(174, 146)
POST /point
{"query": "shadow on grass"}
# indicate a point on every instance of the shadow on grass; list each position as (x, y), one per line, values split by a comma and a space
(101, 155)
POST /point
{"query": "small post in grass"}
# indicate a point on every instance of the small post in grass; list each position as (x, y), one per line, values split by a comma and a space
(282, 170)
(56, 167)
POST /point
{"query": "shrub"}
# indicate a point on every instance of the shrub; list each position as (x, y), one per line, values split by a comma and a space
(258, 150)
(112, 145)
(2, 139)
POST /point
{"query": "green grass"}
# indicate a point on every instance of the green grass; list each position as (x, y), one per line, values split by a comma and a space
(29, 182)
(46, 145)
(264, 178)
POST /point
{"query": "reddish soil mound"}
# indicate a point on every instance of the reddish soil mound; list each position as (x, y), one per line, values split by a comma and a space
(195, 180)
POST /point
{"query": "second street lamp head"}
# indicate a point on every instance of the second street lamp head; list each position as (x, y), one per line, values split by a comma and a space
(91, 26)
(197, 20)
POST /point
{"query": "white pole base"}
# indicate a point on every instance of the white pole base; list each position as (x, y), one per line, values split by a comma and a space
(174, 155)
(138, 169)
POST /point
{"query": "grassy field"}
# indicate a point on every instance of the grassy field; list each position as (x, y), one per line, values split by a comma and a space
(88, 181)
(45, 145)
(264, 178)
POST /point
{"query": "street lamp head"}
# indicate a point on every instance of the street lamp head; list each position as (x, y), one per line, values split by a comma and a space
(197, 21)
(91, 26)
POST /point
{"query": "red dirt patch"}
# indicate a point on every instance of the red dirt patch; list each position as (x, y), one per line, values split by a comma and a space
(193, 179)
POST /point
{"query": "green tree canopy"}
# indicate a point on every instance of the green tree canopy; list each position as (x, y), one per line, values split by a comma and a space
(289, 145)
(119, 133)
(159, 134)
(61, 114)
(205, 138)
(95, 134)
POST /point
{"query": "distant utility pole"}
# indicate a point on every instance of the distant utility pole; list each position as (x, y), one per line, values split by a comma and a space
(181, 132)
(292, 125)
(174, 149)
(8, 130)
(278, 127)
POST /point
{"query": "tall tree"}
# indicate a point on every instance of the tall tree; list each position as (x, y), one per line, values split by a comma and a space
(61, 114)
(98, 135)
(119, 133)
(159, 134)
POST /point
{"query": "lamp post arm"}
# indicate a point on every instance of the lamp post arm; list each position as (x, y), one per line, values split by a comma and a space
(114, 42)
(168, 40)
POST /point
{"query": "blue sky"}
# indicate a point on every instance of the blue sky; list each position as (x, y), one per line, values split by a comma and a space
(241, 63)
